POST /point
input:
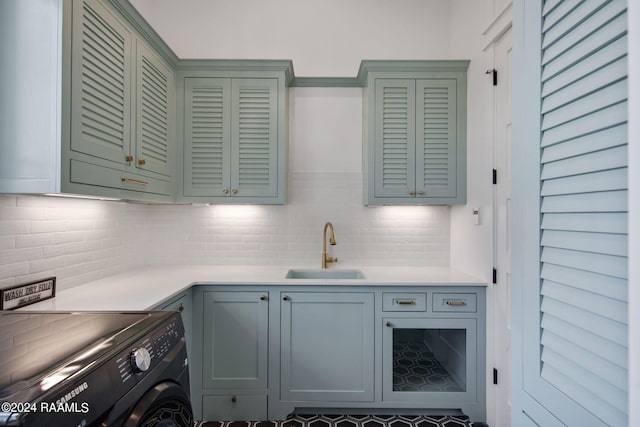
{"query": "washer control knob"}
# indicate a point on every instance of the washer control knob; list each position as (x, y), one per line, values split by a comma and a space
(140, 360)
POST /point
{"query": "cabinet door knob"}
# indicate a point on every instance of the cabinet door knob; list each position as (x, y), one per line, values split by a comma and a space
(285, 298)
(225, 191)
(181, 308)
(234, 398)
(142, 161)
(389, 324)
(128, 158)
(421, 193)
(263, 297)
(412, 193)
(234, 191)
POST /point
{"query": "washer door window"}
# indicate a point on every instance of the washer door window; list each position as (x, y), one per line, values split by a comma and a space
(165, 405)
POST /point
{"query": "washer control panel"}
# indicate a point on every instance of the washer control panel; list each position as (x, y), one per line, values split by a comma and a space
(150, 350)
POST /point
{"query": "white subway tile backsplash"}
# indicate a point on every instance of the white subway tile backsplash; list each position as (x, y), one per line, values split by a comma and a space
(66, 238)
(83, 240)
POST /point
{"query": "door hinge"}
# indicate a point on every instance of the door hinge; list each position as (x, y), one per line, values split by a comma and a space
(495, 376)
(494, 176)
(494, 74)
(495, 276)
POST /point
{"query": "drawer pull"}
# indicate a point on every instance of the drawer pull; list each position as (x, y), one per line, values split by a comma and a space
(134, 181)
(458, 303)
(234, 398)
(410, 302)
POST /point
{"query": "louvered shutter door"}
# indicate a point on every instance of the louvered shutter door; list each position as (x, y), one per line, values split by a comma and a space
(395, 142)
(255, 137)
(436, 137)
(101, 83)
(576, 354)
(207, 136)
(153, 138)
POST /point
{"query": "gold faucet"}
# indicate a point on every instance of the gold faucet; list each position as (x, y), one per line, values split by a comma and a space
(332, 242)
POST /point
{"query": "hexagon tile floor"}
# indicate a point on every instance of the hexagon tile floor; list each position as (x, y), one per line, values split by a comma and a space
(416, 369)
(353, 421)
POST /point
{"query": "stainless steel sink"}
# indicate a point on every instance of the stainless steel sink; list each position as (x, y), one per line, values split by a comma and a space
(299, 273)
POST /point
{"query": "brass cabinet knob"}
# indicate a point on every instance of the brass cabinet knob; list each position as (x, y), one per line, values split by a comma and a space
(412, 193)
(129, 158)
(234, 191)
(225, 191)
(142, 162)
(421, 193)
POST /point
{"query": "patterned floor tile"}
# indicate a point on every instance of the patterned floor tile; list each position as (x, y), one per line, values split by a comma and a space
(350, 421)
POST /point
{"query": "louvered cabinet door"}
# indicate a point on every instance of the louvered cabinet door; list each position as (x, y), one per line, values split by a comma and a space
(254, 158)
(394, 145)
(101, 83)
(207, 137)
(436, 138)
(154, 126)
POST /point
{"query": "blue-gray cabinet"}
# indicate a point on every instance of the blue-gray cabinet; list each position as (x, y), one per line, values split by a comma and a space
(262, 352)
(122, 134)
(327, 347)
(100, 121)
(233, 132)
(414, 149)
(233, 351)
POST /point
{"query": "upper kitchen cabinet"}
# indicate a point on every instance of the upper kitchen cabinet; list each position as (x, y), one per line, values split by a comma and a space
(90, 103)
(234, 131)
(414, 149)
(122, 134)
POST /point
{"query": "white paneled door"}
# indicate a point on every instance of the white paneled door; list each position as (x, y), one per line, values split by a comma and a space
(502, 290)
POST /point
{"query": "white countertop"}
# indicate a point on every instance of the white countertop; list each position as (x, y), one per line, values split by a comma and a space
(146, 287)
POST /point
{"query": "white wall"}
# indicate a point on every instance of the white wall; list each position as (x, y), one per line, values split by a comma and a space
(471, 245)
(327, 38)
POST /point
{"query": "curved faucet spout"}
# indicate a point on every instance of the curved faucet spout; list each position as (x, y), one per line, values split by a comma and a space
(332, 241)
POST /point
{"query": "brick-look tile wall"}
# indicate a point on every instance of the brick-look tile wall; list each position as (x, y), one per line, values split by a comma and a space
(83, 240)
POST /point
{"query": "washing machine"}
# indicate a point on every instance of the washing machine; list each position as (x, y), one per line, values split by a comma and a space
(94, 369)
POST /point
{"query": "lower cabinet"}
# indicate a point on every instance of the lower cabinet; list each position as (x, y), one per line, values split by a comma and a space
(234, 355)
(430, 360)
(261, 353)
(327, 347)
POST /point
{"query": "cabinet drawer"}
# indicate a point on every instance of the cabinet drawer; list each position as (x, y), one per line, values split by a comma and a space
(404, 302)
(231, 407)
(454, 302)
(90, 174)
